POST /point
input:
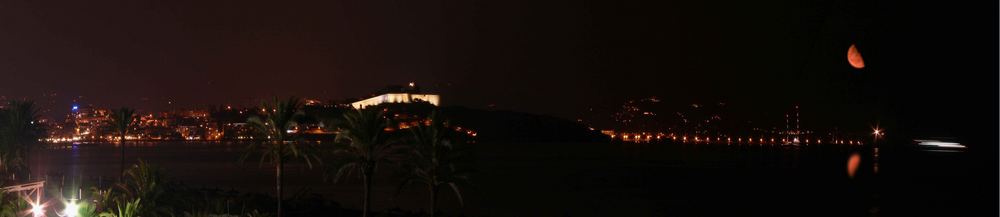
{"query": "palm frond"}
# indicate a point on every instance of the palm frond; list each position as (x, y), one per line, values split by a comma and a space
(458, 193)
(436, 150)
(272, 123)
(406, 182)
(346, 170)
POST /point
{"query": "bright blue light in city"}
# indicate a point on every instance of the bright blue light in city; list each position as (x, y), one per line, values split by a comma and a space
(76, 107)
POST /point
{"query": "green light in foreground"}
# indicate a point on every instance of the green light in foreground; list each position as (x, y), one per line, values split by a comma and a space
(72, 209)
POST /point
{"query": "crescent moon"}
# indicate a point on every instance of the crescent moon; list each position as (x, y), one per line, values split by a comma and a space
(854, 57)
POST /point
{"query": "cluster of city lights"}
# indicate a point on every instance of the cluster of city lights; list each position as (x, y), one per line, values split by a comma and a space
(61, 139)
(467, 131)
(647, 137)
(212, 136)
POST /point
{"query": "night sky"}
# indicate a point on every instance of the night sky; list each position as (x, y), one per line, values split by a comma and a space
(547, 57)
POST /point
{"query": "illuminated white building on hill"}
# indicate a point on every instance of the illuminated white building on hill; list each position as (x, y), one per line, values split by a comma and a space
(399, 94)
(397, 98)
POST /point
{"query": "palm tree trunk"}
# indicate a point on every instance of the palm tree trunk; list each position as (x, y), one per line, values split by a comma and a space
(27, 160)
(367, 173)
(281, 164)
(121, 172)
(434, 197)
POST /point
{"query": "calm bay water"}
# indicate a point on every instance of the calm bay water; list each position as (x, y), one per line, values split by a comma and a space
(583, 179)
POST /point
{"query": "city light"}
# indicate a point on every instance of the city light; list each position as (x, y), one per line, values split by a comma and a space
(877, 132)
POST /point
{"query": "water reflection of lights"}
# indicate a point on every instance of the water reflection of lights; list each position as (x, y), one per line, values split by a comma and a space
(852, 164)
(875, 160)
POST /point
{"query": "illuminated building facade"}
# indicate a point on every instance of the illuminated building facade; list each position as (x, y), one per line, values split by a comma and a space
(399, 94)
(433, 99)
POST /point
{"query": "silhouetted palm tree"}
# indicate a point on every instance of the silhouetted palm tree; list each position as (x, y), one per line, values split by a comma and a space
(19, 130)
(148, 183)
(367, 145)
(273, 123)
(435, 156)
(122, 120)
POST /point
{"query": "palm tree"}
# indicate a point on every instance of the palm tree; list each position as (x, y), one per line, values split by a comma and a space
(273, 123)
(367, 145)
(122, 120)
(435, 156)
(146, 182)
(18, 131)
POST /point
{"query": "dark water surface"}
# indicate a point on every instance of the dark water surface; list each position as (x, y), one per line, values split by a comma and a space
(570, 179)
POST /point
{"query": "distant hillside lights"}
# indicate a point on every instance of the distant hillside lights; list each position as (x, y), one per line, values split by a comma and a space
(87, 123)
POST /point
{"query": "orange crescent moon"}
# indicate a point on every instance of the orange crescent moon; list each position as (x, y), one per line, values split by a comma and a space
(854, 58)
